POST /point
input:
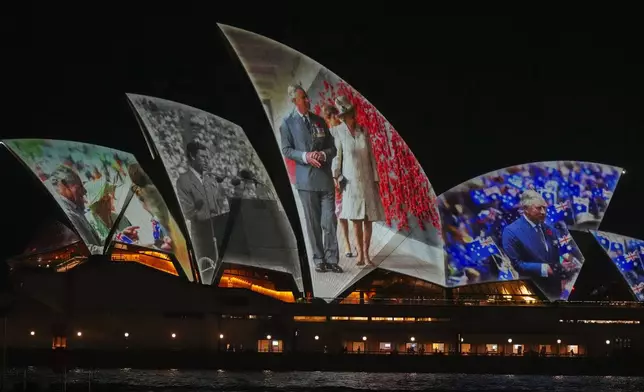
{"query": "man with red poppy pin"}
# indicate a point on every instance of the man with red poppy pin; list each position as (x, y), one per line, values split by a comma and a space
(306, 139)
(533, 246)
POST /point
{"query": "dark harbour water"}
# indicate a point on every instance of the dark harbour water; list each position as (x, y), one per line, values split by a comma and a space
(122, 380)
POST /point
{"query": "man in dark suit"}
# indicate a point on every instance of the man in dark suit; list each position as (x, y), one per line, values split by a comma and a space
(307, 141)
(205, 206)
(533, 247)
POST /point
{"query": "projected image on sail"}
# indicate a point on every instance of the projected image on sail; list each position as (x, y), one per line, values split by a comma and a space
(363, 198)
(103, 191)
(514, 223)
(225, 193)
(628, 256)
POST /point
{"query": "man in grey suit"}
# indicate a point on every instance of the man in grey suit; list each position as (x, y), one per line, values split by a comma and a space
(307, 141)
(205, 205)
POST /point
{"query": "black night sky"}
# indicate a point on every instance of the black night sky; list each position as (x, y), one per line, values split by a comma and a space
(469, 94)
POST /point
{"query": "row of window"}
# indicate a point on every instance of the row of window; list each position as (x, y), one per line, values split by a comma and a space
(600, 321)
(321, 319)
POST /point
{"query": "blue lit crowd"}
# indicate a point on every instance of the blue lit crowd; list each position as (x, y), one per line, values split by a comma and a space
(475, 213)
(627, 254)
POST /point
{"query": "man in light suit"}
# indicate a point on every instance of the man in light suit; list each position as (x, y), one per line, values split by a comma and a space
(205, 205)
(307, 141)
(533, 247)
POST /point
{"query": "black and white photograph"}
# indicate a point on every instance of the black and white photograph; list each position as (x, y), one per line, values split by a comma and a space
(224, 191)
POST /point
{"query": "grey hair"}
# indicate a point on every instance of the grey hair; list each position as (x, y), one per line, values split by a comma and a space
(66, 176)
(530, 197)
(292, 90)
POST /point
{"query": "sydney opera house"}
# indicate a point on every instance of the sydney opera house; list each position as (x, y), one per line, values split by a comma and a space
(364, 257)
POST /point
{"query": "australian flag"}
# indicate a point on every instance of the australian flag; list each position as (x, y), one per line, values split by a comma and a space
(627, 262)
(574, 189)
(602, 193)
(515, 180)
(581, 204)
(510, 200)
(640, 249)
(565, 244)
(617, 247)
(638, 289)
(559, 212)
(458, 255)
(603, 241)
(479, 197)
(482, 248)
(548, 195)
(540, 181)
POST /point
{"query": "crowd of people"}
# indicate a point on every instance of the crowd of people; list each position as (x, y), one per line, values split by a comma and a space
(173, 125)
(487, 223)
(628, 255)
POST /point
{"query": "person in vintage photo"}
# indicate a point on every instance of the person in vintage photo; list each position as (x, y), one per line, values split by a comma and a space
(203, 202)
(356, 173)
(306, 139)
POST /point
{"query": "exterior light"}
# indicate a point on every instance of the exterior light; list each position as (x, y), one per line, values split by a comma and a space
(317, 337)
(510, 340)
(221, 336)
(174, 335)
(413, 339)
(32, 333)
(462, 340)
(268, 337)
(607, 341)
(126, 334)
(558, 341)
(364, 338)
(79, 334)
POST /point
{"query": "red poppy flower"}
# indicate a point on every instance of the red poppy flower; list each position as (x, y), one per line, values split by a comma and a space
(404, 188)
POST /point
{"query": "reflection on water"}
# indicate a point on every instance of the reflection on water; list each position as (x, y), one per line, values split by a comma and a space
(177, 380)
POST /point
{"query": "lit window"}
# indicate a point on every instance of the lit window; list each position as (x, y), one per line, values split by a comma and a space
(310, 319)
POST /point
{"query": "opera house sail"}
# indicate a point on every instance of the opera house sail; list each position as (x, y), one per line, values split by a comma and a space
(514, 223)
(107, 197)
(230, 206)
(363, 199)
